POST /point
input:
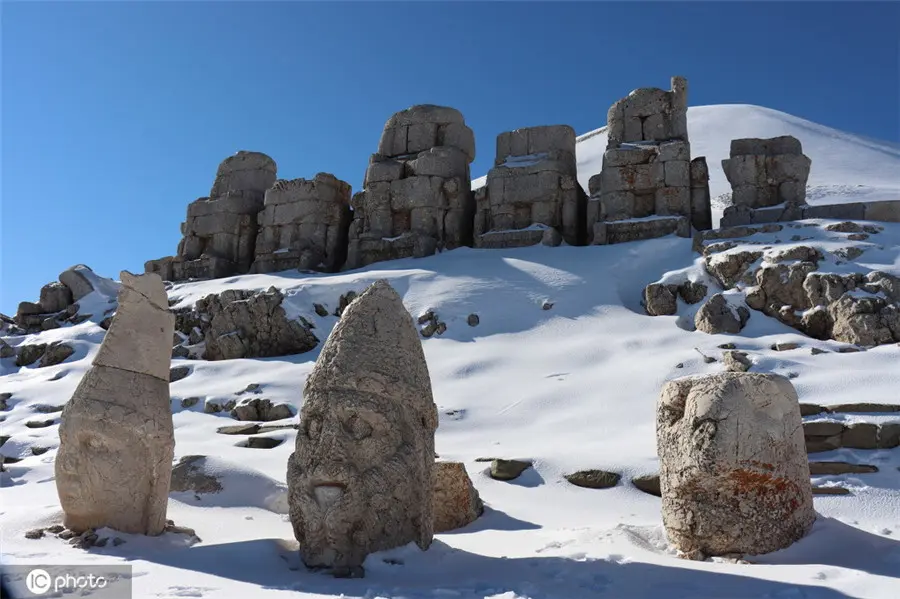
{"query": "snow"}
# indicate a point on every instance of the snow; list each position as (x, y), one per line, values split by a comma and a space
(525, 160)
(845, 167)
(570, 388)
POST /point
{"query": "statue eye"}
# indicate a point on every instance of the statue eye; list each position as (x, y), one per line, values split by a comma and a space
(313, 427)
(357, 428)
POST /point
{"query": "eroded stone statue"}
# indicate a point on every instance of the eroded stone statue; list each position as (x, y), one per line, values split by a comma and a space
(361, 477)
(116, 437)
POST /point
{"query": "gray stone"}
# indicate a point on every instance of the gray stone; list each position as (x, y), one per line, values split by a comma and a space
(594, 479)
(29, 354)
(660, 300)
(736, 361)
(55, 297)
(836, 468)
(113, 466)
(718, 316)
(56, 353)
(734, 473)
(648, 483)
(261, 409)
(189, 475)
(507, 470)
(361, 478)
(77, 280)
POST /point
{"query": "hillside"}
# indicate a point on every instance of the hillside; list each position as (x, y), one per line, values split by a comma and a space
(845, 167)
(563, 368)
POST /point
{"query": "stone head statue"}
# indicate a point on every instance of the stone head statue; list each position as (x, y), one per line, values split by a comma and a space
(361, 478)
(114, 462)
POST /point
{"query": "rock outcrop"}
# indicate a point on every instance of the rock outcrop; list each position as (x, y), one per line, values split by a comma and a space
(220, 230)
(416, 196)
(734, 472)
(718, 315)
(57, 301)
(533, 182)
(304, 224)
(246, 324)
(114, 462)
(361, 478)
(648, 186)
(456, 501)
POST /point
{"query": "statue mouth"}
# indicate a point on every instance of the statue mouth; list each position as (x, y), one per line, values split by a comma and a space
(327, 494)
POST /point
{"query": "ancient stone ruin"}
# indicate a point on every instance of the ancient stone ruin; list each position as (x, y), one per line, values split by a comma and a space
(117, 442)
(766, 173)
(734, 472)
(532, 193)
(417, 197)
(648, 186)
(220, 230)
(361, 478)
(304, 225)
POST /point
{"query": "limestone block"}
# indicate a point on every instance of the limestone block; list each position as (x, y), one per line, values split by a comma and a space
(674, 150)
(458, 135)
(244, 171)
(672, 201)
(383, 170)
(886, 211)
(785, 144)
(445, 161)
(456, 501)
(734, 474)
(627, 155)
(678, 173)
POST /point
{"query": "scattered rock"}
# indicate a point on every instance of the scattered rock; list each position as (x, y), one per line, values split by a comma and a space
(828, 468)
(727, 346)
(473, 320)
(36, 450)
(648, 483)
(456, 501)
(784, 346)
(40, 423)
(56, 529)
(830, 491)
(546, 305)
(817, 351)
(189, 402)
(508, 469)
(343, 302)
(263, 442)
(36, 533)
(864, 408)
(262, 409)
(56, 353)
(181, 352)
(189, 475)
(718, 316)
(321, 310)
(594, 479)
(736, 361)
(660, 300)
(179, 372)
(29, 354)
(6, 351)
(238, 429)
(809, 409)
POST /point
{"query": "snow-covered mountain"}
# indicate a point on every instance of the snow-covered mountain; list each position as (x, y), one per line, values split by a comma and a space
(570, 387)
(845, 167)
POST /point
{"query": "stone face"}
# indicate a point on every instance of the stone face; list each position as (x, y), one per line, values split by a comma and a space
(361, 478)
(246, 324)
(533, 182)
(417, 196)
(219, 234)
(767, 172)
(456, 501)
(734, 472)
(113, 466)
(304, 224)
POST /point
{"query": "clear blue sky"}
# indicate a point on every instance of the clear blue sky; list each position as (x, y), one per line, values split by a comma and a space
(116, 114)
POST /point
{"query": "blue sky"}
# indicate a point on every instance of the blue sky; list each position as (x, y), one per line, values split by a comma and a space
(115, 115)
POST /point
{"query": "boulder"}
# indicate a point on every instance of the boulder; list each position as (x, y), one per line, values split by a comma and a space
(594, 479)
(261, 410)
(660, 299)
(734, 472)
(508, 469)
(736, 361)
(456, 501)
(247, 324)
(29, 354)
(78, 280)
(719, 316)
(56, 353)
(361, 478)
(113, 466)
(55, 297)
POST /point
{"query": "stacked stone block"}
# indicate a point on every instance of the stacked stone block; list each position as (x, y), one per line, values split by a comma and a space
(417, 196)
(532, 190)
(766, 173)
(220, 230)
(304, 224)
(648, 186)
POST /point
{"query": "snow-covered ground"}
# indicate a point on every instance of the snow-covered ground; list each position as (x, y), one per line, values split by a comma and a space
(572, 387)
(845, 167)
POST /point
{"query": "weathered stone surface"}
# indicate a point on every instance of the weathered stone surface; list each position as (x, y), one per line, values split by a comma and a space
(736, 361)
(361, 478)
(648, 483)
(533, 183)
(220, 230)
(77, 281)
(55, 297)
(660, 299)
(456, 501)
(734, 473)
(56, 353)
(423, 207)
(649, 114)
(244, 324)
(304, 224)
(767, 172)
(717, 316)
(623, 231)
(113, 466)
(31, 353)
